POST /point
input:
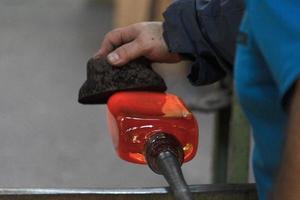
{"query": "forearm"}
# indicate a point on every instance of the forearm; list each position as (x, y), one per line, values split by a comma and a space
(288, 182)
(192, 29)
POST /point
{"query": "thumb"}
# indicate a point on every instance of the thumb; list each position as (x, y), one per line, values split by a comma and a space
(125, 53)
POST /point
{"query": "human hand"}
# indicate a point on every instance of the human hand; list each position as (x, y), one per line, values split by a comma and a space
(122, 45)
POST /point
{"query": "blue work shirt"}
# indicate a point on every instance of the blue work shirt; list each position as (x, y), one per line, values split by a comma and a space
(267, 67)
(267, 63)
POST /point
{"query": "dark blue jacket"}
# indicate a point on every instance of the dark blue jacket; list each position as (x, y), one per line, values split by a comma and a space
(204, 31)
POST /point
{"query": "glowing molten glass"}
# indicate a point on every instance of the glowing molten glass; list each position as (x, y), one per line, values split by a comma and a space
(135, 116)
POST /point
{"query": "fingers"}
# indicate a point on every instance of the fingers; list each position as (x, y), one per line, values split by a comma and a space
(126, 53)
(116, 38)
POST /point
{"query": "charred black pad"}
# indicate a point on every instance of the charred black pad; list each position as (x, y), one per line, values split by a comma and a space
(103, 80)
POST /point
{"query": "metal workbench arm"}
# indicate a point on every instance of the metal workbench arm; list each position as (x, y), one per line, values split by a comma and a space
(201, 192)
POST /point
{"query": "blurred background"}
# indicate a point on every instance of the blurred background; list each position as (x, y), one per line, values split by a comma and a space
(48, 139)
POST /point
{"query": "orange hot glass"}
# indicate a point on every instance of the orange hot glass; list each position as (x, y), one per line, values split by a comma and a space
(133, 117)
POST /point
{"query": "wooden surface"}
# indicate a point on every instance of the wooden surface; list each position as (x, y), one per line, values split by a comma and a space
(159, 8)
(132, 11)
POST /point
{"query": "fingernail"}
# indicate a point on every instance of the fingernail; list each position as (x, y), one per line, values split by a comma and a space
(113, 57)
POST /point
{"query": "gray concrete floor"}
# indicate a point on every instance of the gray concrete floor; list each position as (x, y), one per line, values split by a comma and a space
(47, 139)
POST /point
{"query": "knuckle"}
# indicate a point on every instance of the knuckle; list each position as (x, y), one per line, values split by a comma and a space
(116, 31)
(107, 35)
(143, 24)
(112, 34)
(139, 27)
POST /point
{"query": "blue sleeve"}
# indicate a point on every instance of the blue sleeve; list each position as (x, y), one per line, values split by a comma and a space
(278, 38)
(205, 31)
